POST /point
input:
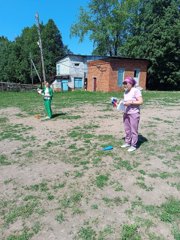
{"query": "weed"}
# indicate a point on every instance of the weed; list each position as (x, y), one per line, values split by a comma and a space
(177, 185)
(60, 218)
(119, 164)
(142, 185)
(102, 180)
(26, 233)
(102, 235)
(142, 172)
(57, 186)
(78, 174)
(176, 232)
(42, 187)
(165, 175)
(153, 236)
(16, 132)
(23, 211)
(4, 160)
(170, 210)
(117, 201)
(71, 201)
(86, 233)
(130, 232)
(94, 206)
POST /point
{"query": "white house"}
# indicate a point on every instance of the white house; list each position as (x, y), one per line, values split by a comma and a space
(71, 72)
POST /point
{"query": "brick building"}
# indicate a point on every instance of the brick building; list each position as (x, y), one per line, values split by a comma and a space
(107, 74)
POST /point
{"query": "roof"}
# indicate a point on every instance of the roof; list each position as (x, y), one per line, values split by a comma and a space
(78, 55)
(105, 58)
(62, 77)
(121, 57)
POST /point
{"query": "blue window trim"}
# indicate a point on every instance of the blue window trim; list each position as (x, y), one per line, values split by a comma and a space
(58, 69)
(137, 70)
(78, 84)
(121, 72)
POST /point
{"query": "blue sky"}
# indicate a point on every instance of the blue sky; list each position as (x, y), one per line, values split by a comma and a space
(15, 15)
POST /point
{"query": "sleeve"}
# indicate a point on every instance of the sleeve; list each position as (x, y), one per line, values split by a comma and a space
(43, 92)
(137, 93)
(51, 92)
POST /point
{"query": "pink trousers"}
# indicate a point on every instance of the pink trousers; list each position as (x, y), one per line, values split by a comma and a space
(131, 123)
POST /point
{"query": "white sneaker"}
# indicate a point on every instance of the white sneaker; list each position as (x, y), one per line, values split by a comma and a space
(45, 118)
(131, 149)
(125, 145)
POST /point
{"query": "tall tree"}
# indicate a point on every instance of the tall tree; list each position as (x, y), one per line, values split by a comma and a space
(25, 46)
(15, 57)
(156, 36)
(4, 52)
(106, 23)
(53, 47)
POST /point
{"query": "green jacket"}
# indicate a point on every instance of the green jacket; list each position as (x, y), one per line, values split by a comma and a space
(47, 93)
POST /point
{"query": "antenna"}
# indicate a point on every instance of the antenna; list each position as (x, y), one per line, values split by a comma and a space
(40, 46)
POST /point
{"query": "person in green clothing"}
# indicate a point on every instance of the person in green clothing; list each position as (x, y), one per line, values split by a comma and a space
(47, 93)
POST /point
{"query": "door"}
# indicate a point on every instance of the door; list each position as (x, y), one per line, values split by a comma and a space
(137, 75)
(64, 85)
(120, 76)
(77, 83)
(94, 84)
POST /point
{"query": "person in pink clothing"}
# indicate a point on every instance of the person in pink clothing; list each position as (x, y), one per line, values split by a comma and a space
(132, 101)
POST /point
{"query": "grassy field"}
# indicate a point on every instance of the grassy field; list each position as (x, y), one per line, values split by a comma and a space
(57, 183)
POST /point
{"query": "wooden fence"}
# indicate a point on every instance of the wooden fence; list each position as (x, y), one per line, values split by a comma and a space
(16, 87)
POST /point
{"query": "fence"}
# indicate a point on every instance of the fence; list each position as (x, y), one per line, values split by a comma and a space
(16, 87)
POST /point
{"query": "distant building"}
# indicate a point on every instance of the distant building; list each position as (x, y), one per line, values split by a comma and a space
(98, 73)
(107, 74)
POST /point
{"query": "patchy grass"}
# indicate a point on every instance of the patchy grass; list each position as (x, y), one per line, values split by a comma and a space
(4, 160)
(57, 180)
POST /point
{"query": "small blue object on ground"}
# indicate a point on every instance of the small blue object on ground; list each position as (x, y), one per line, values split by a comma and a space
(107, 148)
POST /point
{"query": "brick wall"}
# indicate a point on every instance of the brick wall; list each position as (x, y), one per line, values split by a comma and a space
(100, 71)
(106, 73)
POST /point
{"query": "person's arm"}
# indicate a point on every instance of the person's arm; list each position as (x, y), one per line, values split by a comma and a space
(137, 102)
(51, 92)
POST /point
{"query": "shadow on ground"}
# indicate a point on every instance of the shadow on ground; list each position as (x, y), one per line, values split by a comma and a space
(141, 140)
(56, 115)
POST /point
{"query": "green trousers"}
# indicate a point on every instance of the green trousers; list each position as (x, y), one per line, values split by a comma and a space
(47, 105)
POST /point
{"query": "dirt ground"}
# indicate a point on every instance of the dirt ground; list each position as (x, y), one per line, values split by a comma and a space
(71, 189)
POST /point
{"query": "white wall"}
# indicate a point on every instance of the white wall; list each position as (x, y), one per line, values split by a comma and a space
(63, 67)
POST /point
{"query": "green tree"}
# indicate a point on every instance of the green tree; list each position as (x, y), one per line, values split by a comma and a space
(15, 57)
(106, 23)
(155, 35)
(24, 46)
(8, 60)
(4, 51)
(53, 47)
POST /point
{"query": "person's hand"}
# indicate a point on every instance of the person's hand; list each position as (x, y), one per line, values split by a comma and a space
(127, 103)
(39, 91)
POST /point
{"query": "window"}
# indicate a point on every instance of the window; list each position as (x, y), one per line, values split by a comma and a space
(120, 76)
(58, 69)
(77, 83)
(136, 73)
(76, 64)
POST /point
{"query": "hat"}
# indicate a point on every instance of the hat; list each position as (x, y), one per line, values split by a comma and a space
(130, 80)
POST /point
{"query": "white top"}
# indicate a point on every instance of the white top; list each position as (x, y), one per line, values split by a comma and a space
(132, 95)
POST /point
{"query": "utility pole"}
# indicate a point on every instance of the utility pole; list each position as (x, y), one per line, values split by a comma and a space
(33, 65)
(31, 69)
(40, 46)
(36, 70)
